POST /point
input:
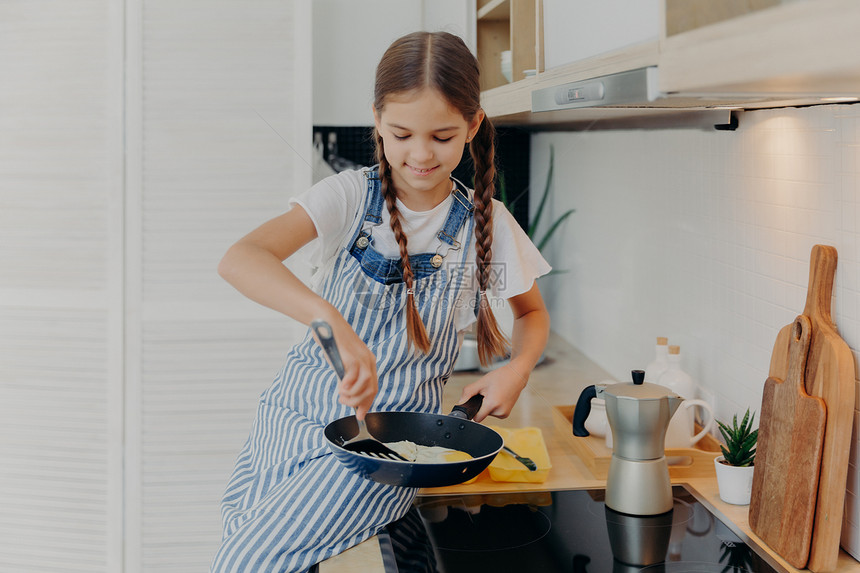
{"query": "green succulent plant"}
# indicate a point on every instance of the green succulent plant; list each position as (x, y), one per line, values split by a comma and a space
(510, 202)
(740, 440)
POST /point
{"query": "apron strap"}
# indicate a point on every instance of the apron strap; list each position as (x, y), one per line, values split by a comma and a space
(374, 197)
(461, 207)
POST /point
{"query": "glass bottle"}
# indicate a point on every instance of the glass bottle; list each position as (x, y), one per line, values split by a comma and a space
(660, 362)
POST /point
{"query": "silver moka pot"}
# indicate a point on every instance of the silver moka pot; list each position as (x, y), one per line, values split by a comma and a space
(639, 413)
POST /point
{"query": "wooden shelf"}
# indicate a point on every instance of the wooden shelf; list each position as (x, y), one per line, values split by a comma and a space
(495, 10)
(504, 25)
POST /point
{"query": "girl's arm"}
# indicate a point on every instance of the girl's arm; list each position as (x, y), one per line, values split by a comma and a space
(254, 266)
(502, 386)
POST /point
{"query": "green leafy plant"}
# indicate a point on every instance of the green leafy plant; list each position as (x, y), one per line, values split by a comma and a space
(740, 440)
(535, 222)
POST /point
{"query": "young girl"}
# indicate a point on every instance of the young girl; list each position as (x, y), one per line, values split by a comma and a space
(407, 256)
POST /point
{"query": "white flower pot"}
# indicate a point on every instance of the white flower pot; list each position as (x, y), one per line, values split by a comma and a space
(735, 483)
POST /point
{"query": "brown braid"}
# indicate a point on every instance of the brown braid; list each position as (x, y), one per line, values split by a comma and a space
(491, 340)
(415, 332)
(442, 62)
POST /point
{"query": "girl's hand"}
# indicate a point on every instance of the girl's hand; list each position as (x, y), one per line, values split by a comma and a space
(359, 385)
(501, 388)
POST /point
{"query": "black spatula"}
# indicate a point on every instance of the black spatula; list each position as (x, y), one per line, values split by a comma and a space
(363, 442)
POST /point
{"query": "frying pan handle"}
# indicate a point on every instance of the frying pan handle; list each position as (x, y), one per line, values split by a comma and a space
(325, 336)
(468, 410)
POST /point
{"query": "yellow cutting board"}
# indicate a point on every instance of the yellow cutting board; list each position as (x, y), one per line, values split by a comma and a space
(526, 442)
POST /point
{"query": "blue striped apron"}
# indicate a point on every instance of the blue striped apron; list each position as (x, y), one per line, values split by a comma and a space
(289, 503)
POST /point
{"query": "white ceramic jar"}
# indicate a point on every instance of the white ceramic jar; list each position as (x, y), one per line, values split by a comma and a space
(674, 378)
(597, 423)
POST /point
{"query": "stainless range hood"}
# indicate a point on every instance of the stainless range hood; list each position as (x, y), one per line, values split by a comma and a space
(629, 99)
(631, 88)
(638, 90)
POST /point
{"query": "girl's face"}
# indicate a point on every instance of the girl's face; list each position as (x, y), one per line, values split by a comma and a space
(424, 138)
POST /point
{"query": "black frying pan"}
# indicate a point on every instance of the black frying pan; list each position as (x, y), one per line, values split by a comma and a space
(455, 431)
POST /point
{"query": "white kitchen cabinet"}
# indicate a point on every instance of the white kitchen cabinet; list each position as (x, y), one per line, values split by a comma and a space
(577, 41)
(578, 29)
(684, 15)
(741, 54)
(790, 47)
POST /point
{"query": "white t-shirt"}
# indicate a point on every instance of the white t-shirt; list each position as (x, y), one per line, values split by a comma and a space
(336, 205)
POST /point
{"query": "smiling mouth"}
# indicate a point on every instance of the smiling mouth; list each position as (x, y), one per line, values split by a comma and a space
(418, 171)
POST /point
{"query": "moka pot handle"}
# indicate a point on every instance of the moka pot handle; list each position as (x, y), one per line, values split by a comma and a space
(582, 410)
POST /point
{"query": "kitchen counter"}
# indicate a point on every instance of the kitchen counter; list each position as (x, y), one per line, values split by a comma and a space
(558, 381)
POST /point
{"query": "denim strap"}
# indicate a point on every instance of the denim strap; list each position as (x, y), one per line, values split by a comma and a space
(388, 271)
(374, 204)
(460, 207)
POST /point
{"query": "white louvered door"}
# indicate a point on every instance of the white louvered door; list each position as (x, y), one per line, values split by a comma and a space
(220, 118)
(61, 286)
(138, 140)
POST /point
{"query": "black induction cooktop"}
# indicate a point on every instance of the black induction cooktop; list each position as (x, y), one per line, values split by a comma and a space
(566, 530)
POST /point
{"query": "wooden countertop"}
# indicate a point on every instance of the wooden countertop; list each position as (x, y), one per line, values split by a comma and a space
(558, 381)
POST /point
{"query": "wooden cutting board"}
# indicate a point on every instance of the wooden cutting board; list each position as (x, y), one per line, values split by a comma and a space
(829, 375)
(788, 457)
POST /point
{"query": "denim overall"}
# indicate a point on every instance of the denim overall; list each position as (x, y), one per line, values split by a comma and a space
(289, 503)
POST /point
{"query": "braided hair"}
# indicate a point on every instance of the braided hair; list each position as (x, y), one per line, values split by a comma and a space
(443, 62)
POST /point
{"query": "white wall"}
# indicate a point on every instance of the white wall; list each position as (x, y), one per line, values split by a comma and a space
(350, 37)
(704, 237)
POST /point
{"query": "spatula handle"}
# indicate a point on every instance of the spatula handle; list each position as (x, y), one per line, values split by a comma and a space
(523, 460)
(325, 336)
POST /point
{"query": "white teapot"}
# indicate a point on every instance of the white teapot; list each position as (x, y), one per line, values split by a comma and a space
(682, 428)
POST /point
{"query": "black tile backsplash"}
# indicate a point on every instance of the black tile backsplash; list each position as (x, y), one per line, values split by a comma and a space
(355, 144)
